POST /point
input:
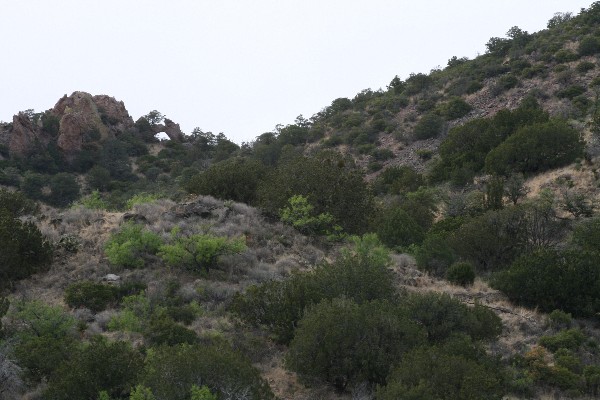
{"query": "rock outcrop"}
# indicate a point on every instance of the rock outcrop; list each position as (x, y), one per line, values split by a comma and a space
(78, 116)
(23, 136)
(171, 129)
(113, 113)
(83, 118)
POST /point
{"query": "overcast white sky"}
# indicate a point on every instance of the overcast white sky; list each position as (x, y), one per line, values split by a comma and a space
(239, 66)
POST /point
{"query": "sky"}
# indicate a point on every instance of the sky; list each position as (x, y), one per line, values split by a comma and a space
(239, 66)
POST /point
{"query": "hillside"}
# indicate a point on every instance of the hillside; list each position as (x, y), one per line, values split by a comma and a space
(435, 240)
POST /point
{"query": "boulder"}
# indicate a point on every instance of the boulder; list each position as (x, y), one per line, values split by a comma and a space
(111, 278)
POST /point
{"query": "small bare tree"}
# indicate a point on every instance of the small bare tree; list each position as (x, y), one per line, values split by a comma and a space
(577, 203)
(515, 189)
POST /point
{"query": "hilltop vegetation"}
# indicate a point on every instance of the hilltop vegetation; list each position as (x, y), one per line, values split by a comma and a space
(434, 240)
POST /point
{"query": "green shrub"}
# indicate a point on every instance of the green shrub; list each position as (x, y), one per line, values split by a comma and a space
(396, 228)
(140, 199)
(126, 321)
(435, 255)
(25, 250)
(93, 201)
(536, 148)
(416, 83)
(424, 154)
(585, 66)
(464, 85)
(299, 214)
(129, 288)
(50, 123)
(461, 273)
(455, 108)
(114, 158)
(429, 126)
(140, 392)
(331, 183)
(98, 178)
(342, 342)
(464, 150)
(69, 243)
(382, 154)
(533, 71)
(201, 393)
(397, 180)
(9, 176)
(163, 330)
(134, 316)
(586, 235)
(130, 246)
(505, 83)
(588, 46)
(591, 375)
(171, 372)
(277, 305)
(566, 359)
(582, 103)
(32, 185)
(569, 339)
(199, 252)
(94, 296)
(458, 370)
(360, 273)
(235, 179)
(365, 148)
(44, 337)
(100, 366)
(539, 370)
(16, 203)
(549, 280)
(558, 318)
(185, 314)
(491, 241)
(64, 189)
(564, 56)
(442, 316)
(518, 65)
(571, 92)
(374, 166)
(498, 46)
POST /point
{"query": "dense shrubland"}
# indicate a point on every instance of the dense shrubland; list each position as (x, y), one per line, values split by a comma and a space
(209, 285)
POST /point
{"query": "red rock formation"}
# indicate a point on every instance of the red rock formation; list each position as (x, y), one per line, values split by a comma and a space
(113, 113)
(23, 135)
(78, 115)
(172, 130)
